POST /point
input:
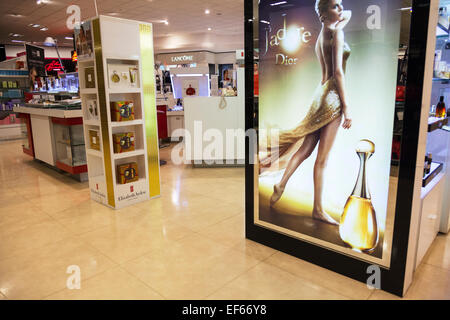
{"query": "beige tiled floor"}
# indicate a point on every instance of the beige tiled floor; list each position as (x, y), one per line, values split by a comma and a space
(188, 244)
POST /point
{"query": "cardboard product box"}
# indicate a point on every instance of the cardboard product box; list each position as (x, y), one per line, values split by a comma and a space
(123, 142)
(122, 111)
(94, 138)
(127, 173)
(89, 77)
(92, 109)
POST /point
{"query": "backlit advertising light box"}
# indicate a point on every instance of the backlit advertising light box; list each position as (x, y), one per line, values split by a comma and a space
(321, 175)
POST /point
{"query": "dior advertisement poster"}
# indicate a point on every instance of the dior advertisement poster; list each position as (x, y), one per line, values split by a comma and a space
(327, 83)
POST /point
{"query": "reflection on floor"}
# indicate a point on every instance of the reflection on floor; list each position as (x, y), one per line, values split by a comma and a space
(188, 244)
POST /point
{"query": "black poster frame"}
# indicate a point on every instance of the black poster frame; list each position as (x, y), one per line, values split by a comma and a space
(392, 279)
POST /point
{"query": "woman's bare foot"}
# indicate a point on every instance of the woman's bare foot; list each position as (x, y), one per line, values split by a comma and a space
(277, 193)
(324, 217)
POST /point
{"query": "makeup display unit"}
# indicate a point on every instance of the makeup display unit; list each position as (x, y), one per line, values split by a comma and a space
(118, 98)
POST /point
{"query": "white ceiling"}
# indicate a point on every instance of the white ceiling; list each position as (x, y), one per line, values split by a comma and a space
(187, 28)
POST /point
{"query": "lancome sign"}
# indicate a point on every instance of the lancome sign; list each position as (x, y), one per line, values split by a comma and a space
(184, 58)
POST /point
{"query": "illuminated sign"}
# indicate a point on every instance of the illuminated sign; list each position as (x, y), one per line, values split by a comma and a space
(326, 113)
(183, 59)
(53, 66)
(74, 56)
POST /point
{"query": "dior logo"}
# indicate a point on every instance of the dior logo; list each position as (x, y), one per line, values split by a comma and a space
(289, 38)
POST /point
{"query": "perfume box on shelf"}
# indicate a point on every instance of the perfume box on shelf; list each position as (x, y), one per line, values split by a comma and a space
(92, 110)
(122, 111)
(89, 77)
(127, 173)
(123, 142)
(94, 138)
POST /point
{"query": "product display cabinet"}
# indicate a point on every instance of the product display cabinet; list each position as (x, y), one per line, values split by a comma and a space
(355, 209)
(117, 87)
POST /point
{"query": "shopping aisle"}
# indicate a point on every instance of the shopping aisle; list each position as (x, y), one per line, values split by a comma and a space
(188, 244)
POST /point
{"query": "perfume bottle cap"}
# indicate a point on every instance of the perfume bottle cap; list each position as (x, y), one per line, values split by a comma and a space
(365, 146)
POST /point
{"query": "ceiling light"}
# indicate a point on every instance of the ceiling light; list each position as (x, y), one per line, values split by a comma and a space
(209, 29)
(166, 22)
(34, 25)
(16, 35)
(15, 15)
(278, 3)
(19, 41)
(44, 29)
(49, 42)
(207, 11)
(68, 38)
(113, 14)
(264, 21)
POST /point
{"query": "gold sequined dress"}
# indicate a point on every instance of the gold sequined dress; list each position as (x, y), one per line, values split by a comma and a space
(325, 107)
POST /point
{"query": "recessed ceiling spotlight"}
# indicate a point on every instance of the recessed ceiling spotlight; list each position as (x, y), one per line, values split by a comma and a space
(113, 14)
(68, 38)
(44, 29)
(34, 25)
(209, 29)
(166, 22)
(15, 15)
(207, 11)
(16, 35)
(278, 3)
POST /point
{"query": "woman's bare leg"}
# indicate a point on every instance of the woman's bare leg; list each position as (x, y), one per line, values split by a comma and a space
(303, 153)
(327, 137)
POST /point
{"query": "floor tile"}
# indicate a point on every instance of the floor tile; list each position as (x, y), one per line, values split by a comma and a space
(439, 253)
(430, 283)
(268, 282)
(37, 273)
(320, 276)
(254, 249)
(113, 284)
(18, 216)
(32, 237)
(192, 268)
(125, 242)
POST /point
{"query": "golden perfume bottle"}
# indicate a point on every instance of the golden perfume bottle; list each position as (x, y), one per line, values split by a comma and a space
(358, 227)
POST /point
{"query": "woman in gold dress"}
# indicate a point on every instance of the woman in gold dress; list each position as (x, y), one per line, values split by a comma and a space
(327, 110)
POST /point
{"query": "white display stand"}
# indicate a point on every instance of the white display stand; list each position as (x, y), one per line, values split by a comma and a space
(216, 113)
(119, 44)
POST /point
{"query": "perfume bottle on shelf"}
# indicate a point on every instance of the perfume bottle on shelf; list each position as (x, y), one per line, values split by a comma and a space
(358, 226)
(441, 110)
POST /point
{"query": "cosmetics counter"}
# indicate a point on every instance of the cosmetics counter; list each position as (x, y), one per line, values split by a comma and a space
(220, 115)
(199, 77)
(54, 123)
(55, 130)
